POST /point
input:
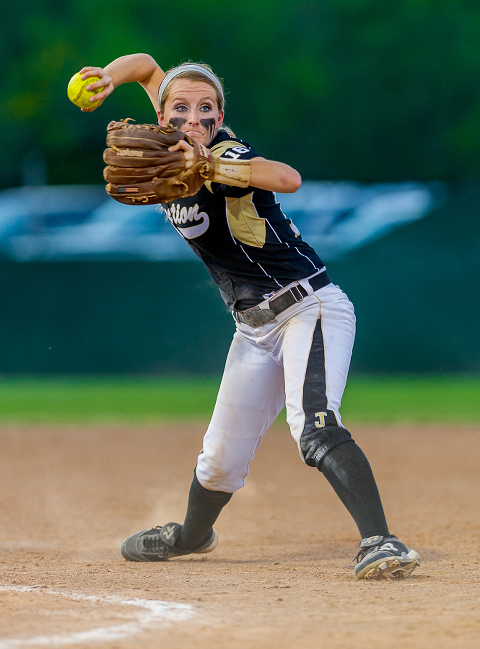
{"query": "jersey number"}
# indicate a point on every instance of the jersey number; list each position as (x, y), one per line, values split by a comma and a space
(235, 152)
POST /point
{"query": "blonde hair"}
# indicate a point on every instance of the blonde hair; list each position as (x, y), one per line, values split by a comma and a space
(194, 72)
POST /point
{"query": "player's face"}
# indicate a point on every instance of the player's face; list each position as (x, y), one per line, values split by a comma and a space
(191, 106)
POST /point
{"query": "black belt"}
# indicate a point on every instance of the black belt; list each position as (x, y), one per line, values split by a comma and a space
(257, 316)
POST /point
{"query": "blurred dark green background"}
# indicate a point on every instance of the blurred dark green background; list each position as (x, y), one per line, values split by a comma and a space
(362, 90)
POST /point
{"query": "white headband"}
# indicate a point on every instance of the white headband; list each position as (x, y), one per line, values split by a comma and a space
(188, 67)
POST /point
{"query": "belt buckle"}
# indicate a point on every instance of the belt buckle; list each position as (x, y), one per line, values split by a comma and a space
(257, 316)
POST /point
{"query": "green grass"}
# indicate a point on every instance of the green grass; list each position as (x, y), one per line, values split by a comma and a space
(105, 399)
(422, 399)
(389, 399)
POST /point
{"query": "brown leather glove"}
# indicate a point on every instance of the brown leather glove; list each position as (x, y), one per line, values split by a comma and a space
(141, 170)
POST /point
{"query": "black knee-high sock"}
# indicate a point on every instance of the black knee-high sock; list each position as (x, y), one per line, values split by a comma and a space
(204, 507)
(349, 472)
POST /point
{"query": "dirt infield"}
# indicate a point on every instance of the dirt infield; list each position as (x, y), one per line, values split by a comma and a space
(282, 575)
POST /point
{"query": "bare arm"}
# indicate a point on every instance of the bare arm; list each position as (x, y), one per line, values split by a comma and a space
(274, 176)
(264, 174)
(141, 68)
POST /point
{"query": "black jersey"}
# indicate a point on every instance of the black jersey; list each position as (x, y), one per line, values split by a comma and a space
(248, 245)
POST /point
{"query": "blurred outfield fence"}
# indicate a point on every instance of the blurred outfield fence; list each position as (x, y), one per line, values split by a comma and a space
(407, 255)
(81, 222)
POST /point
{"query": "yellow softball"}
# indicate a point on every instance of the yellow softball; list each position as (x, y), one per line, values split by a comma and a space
(78, 95)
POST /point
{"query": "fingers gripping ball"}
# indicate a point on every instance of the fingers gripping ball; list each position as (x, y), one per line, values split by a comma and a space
(78, 94)
(141, 169)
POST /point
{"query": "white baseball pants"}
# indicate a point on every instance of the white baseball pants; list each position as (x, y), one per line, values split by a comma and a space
(274, 365)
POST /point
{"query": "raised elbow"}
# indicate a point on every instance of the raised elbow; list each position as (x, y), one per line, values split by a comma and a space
(291, 182)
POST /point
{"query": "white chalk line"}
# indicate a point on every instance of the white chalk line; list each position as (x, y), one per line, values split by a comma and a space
(150, 612)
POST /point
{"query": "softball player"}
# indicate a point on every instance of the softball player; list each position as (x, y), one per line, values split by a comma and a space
(294, 328)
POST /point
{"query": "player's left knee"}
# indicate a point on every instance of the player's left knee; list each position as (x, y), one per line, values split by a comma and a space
(316, 443)
(216, 478)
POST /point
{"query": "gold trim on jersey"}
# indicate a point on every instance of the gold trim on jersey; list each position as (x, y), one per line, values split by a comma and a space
(245, 224)
(220, 148)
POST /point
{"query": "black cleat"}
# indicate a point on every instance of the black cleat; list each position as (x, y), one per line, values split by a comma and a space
(385, 557)
(158, 544)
